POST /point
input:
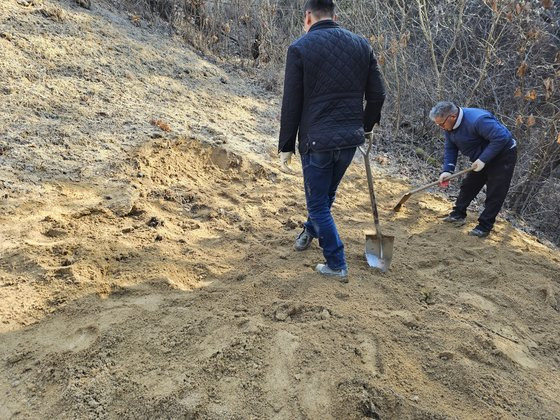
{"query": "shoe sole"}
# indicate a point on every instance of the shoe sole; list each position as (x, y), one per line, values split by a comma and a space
(340, 276)
(478, 236)
(457, 223)
(302, 249)
(333, 275)
(341, 279)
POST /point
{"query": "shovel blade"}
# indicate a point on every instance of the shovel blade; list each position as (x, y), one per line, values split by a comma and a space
(378, 255)
(404, 198)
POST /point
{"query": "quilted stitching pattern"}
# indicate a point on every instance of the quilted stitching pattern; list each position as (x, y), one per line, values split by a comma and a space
(336, 65)
(335, 61)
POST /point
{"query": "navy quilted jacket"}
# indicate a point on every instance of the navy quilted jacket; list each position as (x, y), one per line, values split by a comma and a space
(328, 72)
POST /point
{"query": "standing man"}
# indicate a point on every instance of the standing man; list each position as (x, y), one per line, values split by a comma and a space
(476, 133)
(329, 70)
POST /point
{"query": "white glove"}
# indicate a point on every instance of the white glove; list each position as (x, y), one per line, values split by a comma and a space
(285, 159)
(443, 182)
(478, 165)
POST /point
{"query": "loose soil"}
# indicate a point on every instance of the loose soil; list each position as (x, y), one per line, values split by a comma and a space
(147, 268)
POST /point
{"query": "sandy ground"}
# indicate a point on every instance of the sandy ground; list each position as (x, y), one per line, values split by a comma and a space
(150, 274)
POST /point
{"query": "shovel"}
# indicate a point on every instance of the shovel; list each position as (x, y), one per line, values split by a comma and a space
(424, 187)
(379, 248)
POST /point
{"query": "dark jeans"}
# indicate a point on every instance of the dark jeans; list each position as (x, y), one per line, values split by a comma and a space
(497, 176)
(322, 172)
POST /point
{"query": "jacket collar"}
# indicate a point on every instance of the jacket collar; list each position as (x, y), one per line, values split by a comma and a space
(324, 24)
(459, 119)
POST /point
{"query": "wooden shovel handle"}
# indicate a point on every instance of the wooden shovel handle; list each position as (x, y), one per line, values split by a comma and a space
(432, 184)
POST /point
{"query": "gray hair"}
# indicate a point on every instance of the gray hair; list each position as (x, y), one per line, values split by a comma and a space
(443, 109)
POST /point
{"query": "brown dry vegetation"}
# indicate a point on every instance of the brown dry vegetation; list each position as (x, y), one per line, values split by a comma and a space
(148, 273)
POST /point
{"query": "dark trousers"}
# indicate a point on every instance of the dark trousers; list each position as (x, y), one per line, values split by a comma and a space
(496, 175)
(322, 172)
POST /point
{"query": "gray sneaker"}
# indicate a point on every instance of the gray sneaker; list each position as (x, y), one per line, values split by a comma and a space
(303, 241)
(479, 232)
(455, 220)
(325, 270)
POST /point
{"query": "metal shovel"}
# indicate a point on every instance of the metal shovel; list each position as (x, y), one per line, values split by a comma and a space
(424, 187)
(379, 248)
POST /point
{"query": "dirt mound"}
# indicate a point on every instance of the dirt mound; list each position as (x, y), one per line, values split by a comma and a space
(191, 302)
(166, 286)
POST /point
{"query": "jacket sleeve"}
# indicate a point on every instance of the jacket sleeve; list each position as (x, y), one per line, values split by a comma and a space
(495, 133)
(375, 94)
(292, 101)
(450, 153)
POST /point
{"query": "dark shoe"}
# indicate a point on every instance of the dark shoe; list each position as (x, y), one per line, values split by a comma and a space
(479, 232)
(455, 220)
(325, 270)
(303, 241)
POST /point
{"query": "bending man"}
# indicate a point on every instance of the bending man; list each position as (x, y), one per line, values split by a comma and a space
(477, 134)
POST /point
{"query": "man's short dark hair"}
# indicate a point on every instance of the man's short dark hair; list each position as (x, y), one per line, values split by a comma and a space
(320, 8)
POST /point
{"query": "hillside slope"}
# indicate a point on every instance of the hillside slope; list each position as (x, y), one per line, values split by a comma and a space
(147, 273)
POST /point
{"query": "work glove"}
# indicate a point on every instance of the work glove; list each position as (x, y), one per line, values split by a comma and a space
(478, 165)
(285, 160)
(443, 181)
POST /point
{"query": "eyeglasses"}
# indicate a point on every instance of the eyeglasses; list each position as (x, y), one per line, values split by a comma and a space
(442, 124)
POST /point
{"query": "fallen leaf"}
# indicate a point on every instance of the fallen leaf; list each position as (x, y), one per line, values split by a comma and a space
(161, 125)
(522, 69)
(531, 95)
(549, 87)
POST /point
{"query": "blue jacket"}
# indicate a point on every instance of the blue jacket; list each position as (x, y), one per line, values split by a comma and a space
(479, 136)
(328, 72)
